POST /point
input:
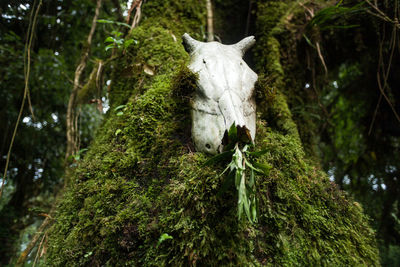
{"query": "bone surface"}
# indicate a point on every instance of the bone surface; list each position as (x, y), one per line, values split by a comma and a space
(224, 93)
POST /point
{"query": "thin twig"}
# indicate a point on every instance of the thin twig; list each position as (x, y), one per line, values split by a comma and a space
(381, 65)
(386, 97)
(375, 113)
(321, 58)
(25, 58)
(380, 14)
(68, 78)
(28, 69)
(22, 258)
(210, 25)
(385, 74)
(317, 46)
(133, 5)
(138, 14)
(38, 250)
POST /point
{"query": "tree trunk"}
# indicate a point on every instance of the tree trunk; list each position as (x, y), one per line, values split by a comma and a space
(143, 197)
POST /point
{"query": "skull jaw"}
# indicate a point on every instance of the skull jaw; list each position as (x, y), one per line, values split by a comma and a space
(208, 130)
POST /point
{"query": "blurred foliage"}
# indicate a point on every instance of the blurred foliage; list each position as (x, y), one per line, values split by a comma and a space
(36, 165)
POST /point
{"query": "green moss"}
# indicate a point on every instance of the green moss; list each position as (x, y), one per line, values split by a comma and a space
(141, 179)
(285, 59)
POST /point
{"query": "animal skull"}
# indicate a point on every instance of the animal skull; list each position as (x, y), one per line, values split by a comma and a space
(224, 93)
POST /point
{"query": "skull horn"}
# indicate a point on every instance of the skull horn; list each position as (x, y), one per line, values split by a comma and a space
(245, 44)
(189, 43)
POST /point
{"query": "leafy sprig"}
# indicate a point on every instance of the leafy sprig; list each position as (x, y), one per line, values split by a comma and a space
(242, 169)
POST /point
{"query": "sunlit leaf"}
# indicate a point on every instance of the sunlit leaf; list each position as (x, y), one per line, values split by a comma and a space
(106, 21)
(119, 107)
(109, 39)
(109, 46)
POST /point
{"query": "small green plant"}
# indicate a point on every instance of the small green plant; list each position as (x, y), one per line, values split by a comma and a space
(242, 169)
(77, 157)
(116, 40)
(164, 237)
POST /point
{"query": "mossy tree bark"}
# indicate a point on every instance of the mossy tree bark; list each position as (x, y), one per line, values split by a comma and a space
(141, 179)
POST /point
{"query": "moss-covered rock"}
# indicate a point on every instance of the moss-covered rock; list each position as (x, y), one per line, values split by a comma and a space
(141, 179)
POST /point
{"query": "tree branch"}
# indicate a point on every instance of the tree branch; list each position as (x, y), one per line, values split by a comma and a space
(72, 130)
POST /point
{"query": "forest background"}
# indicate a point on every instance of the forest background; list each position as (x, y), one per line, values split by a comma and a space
(343, 54)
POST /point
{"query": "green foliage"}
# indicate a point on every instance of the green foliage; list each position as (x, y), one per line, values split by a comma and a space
(328, 17)
(36, 167)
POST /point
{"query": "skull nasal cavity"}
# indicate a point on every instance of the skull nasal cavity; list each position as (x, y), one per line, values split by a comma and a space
(208, 146)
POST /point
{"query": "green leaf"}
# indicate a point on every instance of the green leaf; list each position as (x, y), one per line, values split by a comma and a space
(109, 39)
(240, 205)
(120, 113)
(244, 197)
(82, 150)
(128, 43)
(106, 21)
(219, 157)
(164, 237)
(264, 167)
(238, 176)
(254, 209)
(252, 167)
(119, 107)
(116, 33)
(327, 17)
(119, 41)
(257, 153)
(228, 181)
(118, 131)
(109, 46)
(252, 179)
(232, 133)
(237, 158)
(309, 41)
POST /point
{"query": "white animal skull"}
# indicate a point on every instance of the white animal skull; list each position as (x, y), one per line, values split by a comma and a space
(224, 93)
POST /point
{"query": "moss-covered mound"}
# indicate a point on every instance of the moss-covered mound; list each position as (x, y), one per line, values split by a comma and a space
(142, 180)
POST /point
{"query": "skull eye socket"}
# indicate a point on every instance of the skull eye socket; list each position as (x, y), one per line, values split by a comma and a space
(208, 146)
